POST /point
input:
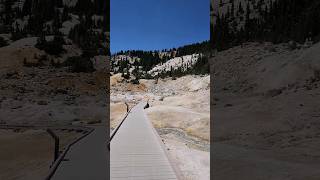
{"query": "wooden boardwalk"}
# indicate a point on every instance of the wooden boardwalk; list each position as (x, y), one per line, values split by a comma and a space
(87, 159)
(136, 150)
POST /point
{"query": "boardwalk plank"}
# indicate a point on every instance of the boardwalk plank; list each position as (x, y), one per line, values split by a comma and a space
(136, 152)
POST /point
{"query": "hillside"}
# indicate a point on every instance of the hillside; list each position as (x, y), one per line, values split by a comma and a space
(53, 59)
(176, 62)
(277, 21)
(269, 96)
(86, 22)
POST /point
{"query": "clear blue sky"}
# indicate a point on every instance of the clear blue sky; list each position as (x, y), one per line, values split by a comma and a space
(158, 24)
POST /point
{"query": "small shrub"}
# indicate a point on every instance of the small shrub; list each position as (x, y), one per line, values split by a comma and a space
(31, 64)
(273, 92)
(53, 47)
(202, 66)
(94, 122)
(126, 76)
(147, 76)
(316, 74)
(16, 36)
(56, 64)
(228, 105)
(43, 58)
(135, 81)
(292, 45)
(79, 64)
(3, 42)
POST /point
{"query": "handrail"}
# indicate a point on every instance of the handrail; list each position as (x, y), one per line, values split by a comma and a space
(55, 166)
(18, 126)
(127, 106)
(57, 162)
(117, 128)
(147, 105)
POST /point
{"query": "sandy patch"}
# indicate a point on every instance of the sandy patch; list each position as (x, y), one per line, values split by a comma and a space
(28, 154)
(189, 112)
(193, 164)
(115, 79)
(117, 112)
(192, 122)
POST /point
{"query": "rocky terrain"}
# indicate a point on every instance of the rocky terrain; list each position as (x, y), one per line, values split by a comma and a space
(43, 95)
(179, 110)
(46, 94)
(266, 112)
(53, 61)
(175, 63)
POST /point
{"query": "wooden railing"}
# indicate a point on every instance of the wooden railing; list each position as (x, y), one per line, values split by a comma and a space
(119, 125)
(58, 157)
(56, 163)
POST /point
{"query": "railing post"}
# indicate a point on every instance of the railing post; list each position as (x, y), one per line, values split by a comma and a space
(117, 128)
(56, 144)
(147, 105)
(127, 106)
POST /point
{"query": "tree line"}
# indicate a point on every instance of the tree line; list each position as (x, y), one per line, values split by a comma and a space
(275, 21)
(144, 61)
(45, 17)
(148, 59)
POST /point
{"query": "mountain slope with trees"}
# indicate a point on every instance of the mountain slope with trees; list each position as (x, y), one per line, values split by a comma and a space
(86, 21)
(277, 21)
(142, 64)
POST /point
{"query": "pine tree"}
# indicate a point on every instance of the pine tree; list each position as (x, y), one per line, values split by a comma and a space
(240, 8)
(221, 3)
(3, 42)
(232, 9)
